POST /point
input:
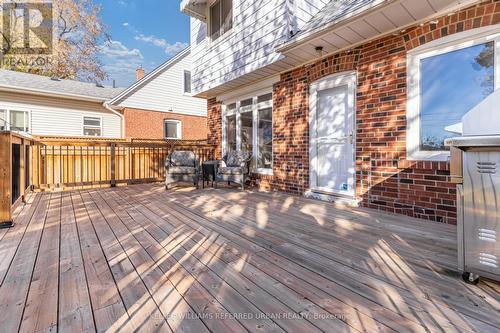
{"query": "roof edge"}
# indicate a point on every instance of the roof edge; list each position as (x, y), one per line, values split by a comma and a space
(138, 84)
(42, 92)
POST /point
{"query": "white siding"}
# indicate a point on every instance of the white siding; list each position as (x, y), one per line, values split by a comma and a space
(258, 27)
(59, 116)
(306, 9)
(165, 92)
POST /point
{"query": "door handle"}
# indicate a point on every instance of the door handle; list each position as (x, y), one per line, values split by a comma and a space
(351, 138)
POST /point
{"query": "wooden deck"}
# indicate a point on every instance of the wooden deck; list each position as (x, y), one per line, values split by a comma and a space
(139, 258)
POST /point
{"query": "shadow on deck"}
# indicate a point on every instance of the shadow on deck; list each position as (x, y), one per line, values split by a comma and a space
(140, 258)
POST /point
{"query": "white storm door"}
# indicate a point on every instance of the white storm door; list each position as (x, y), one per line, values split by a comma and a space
(332, 160)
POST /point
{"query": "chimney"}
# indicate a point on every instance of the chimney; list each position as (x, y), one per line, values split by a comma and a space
(139, 73)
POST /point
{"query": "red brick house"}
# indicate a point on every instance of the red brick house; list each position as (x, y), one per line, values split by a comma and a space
(160, 105)
(346, 99)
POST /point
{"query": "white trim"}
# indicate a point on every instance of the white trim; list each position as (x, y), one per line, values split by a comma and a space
(332, 25)
(257, 88)
(179, 129)
(315, 34)
(92, 126)
(441, 46)
(348, 78)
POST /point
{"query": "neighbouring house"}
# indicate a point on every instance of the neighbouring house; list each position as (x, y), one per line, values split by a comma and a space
(350, 98)
(160, 105)
(44, 106)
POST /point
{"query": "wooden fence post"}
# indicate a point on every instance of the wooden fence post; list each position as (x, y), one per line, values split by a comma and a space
(5, 180)
(113, 164)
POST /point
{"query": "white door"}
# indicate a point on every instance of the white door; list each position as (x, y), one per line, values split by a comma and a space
(332, 161)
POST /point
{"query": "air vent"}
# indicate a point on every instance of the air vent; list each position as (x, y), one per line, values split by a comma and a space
(488, 260)
(486, 167)
(487, 235)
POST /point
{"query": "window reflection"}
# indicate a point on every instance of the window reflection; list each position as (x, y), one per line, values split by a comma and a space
(265, 138)
(231, 132)
(451, 84)
(246, 131)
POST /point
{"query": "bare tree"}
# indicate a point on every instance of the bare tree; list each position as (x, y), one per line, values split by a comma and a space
(78, 31)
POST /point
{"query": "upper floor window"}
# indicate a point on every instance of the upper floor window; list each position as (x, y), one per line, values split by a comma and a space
(446, 80)
(92, 126)
(187, 82)
(220, 17)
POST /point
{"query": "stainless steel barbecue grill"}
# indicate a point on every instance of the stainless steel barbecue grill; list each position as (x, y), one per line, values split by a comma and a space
(475, 167)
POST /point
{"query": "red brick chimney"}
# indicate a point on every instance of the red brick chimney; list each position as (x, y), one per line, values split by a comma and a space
(139, 73)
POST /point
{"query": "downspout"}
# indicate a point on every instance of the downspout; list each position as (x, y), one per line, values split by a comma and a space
(122, 118)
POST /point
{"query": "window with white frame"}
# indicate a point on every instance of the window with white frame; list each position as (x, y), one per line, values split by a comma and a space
(92, 126)
(446, 79)
(187, 82)
(265, 132)
(3, 120)
(220, 18)
(19, 120)
(248, 126)
(230, 128)
(14, 120)
(173, 129)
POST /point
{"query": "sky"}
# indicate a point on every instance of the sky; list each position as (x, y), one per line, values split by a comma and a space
(444, 104)
(143, 33)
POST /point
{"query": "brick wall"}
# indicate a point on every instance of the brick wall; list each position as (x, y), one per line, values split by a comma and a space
(385, 180)
(214, 124)
(149, 124)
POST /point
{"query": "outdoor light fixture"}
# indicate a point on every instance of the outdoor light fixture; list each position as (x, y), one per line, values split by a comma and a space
(319, 50)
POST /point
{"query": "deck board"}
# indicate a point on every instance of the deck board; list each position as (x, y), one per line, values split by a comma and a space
(139, 258)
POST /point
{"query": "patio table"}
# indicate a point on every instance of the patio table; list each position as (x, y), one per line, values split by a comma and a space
(209, 169)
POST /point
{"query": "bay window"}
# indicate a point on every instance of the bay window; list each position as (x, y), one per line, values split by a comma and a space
(446, 79)
(247, 125)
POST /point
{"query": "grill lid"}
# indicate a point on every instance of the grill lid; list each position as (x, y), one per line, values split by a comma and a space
(484, 118)
(480, 126)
